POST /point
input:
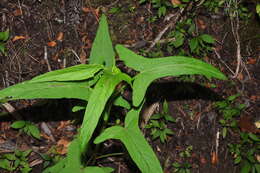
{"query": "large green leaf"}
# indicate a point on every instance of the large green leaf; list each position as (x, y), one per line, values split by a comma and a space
(154, 68)
(28, 90)
(97, 101)
(138, 148)
(102, 51)
(74, 73)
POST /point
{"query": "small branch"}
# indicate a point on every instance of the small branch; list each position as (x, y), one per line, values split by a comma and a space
(46, 58)
(170, 25)
(218, 56)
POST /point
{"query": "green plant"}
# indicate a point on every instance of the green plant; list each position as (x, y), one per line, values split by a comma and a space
(16, 161)
(27, 127)
(3, 38)
(161, 5)
(158, 123)
(258, 9)
(245, 153)
(183, 167)
(101, 84)
(199, 44)
(230, 111)
(214, 5)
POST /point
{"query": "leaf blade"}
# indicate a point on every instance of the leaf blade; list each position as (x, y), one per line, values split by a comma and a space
(101, 93)
(74, 73)
(51, 90)
(102, 51)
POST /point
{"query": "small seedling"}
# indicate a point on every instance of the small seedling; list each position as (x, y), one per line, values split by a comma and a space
(158, 124)
(183, 167)
(160, 5)
(3, 38)
(28, 128)
(16, 161)
(230, 111)
(245, 153)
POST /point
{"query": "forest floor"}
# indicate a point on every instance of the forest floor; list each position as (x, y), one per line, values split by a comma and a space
(50, 34)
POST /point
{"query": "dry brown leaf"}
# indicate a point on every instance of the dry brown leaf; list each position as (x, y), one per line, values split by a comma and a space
(201, 24)
(17, 12)
(176, 2)
(251, 61)
(83, 56)
(52, 44)
(60, 36)
(63, 124)
(240, 76)
(86, 9)
(214, 158)
(18, 37)
(246, 125)
(62, 146)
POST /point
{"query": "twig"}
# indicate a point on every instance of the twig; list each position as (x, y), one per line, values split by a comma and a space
(10, 109)
(78, 58)
(217, 143)
(47, 130)
(148, 112)
(234, 28)
(46, 58)
(159, 36)
(218, 56)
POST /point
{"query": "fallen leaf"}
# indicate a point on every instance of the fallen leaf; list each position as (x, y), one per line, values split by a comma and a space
(258, 158)
(19, 38)
(201, 24)
(246, 125)
(17, 12)
(254, 98)
(240, 76)
(176, 2)
(62, 146)
(214, 158)
(251, 61)
(52, 44)
(86, 9)
(83, 56)
(257, 124)
(63, 124)
(60, 36)
(94, 11)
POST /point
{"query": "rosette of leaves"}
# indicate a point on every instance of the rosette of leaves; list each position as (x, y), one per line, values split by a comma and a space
(100, 84)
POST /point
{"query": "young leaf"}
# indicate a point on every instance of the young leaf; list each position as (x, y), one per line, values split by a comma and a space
(74, 73)
(4, 35)
(133, 139)
(155, 68)
(120, 101)
(102, 51)
(18, 124)
(2, 48)
(97, 101)
(34, 131)
(207, 38)
(193, 44)
(27, 90)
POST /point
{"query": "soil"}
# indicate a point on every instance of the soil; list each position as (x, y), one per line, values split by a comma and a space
(63, 32)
